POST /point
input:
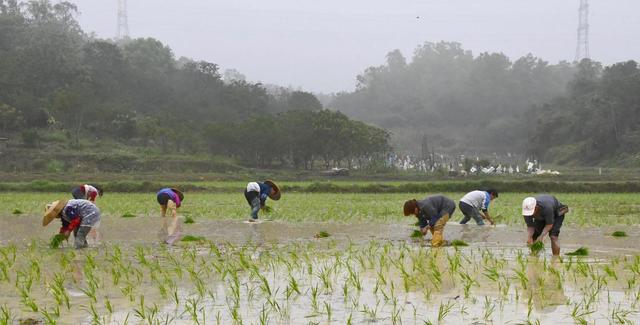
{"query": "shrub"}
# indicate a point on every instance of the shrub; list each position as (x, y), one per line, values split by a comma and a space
(55, 166)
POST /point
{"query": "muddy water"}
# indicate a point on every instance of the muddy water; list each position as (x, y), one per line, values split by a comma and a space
(367, 273)
(144, 230)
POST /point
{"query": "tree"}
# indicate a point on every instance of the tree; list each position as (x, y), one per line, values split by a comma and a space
(300, 100)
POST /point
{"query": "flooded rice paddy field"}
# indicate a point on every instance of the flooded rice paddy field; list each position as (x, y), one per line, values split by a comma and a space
(367, 271)
(586, 209)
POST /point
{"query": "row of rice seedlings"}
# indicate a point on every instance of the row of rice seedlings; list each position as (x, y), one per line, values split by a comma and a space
(323, 271)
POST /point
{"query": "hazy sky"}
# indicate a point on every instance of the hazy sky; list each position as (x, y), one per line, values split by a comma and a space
(321, 45)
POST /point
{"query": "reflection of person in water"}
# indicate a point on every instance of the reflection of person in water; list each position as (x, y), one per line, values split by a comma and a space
(255, 234)
(169, 199)
(471, 235)
(545, 287)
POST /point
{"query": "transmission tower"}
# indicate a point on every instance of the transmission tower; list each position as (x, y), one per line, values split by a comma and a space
(582, 48)
(123, 25)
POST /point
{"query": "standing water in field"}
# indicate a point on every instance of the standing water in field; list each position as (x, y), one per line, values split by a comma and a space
(319, 281)
(277, 272)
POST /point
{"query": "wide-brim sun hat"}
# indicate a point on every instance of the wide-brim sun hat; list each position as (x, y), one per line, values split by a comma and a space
(180, 195)
(529, 206)
(52, 211)
(276, 195)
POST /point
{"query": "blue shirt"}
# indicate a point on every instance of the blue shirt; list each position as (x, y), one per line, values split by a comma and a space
(265, 190)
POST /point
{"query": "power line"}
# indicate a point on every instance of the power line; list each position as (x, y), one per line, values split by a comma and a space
(582, 47)
(123, 24)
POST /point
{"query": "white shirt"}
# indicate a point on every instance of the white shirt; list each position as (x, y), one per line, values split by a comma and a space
(477, 199)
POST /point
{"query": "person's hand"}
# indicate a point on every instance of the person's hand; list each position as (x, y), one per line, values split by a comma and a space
(425, 230)
(530, 241)
(66, 234)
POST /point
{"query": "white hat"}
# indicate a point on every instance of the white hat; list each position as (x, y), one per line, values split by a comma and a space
(529, 206)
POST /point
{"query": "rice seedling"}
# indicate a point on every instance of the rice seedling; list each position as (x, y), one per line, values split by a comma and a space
(95, 316)
(5, 315)
(189, 220)
(582, 251)
(59, 291)
(370, 313)
(128, 215)
(458, 242)
(444, 310)
(416, 234)
(328, 311)
(49, 317)
(489, 308)
(191, 238)
(17, 211)
(56, 240)
(536, 247)
(322, 234)
(619, 233)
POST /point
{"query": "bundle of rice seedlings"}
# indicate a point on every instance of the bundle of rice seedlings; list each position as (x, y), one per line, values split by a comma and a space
(537, 247)
(56, 240)
(582, 251)
(619, 233)
(322, 234)
(458, 242)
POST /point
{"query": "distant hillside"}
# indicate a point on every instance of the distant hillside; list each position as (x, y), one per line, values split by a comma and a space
(597, 122)
(458, 102)
(63, 93)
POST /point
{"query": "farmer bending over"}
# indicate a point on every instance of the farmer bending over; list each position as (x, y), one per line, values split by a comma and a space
(169, 199)
(475, 205)
(256, 194)
(77, 216)
(433, 213)
(543, 215)
(87, 192)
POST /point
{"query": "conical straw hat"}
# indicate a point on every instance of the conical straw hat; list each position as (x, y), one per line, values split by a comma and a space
(52, 211)
(275, 196)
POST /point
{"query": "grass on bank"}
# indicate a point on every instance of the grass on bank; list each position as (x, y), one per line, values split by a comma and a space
(586, 209)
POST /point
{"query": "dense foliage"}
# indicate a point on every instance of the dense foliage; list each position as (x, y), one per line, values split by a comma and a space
(56, 79)
(597, 121)
(454, 100)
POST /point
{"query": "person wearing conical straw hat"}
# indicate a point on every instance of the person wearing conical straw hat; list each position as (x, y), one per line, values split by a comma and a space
(77, 216)
(544, 214)
(170, 199)
(433, 213)
(256, 194)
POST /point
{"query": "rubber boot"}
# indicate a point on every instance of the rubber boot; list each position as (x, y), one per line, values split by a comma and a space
(438, 232)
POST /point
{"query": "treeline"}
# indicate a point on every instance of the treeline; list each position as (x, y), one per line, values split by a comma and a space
(59, 84)
(505, 186)
(450, 100)
(596, 122)
(299, 138)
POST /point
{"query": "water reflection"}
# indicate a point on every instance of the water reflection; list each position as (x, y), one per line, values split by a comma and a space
(546, 287)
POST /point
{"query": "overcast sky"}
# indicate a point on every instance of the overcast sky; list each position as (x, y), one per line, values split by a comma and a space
(321, 45)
